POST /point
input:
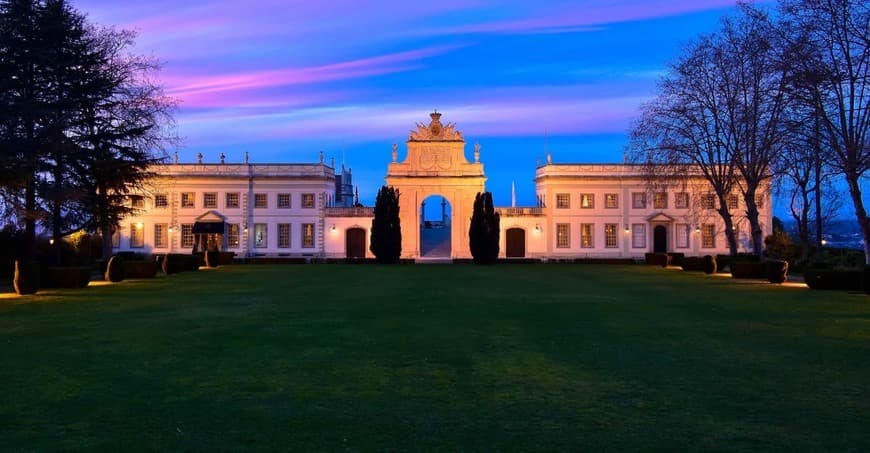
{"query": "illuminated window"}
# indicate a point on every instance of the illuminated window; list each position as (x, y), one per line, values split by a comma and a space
(638, 200)
(660, 200)
(260, 201)
(260, 235)
(586, 239)
(563, 201)
(708, 236)
(233, 235)
(161, 201)
(284, 201)
(187, 236)
(587, 201)
(138, 202)
(563, 235)
(732, 201)
(283, 235)
(638, 235)
(307, 235)
(682, 236)
(610, 236)
(137, 235)
(681, 200)
(232, 200)
(160, 238)
(708, 201)
(188, 200)
(308, 201)
(209, 200)
(611, 200)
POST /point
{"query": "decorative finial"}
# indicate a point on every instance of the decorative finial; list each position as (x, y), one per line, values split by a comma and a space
(476, 152)
(332, 162)
(199, 158)
(176, 157)
(321, 157)
(223, 158)
(356, 196)
(247, 157)
(549, 158)
(395, 152)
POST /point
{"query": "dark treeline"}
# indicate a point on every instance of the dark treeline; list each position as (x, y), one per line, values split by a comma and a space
(772, 100)
(81, 120)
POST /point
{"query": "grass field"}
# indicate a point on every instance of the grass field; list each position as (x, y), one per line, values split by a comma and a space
(511, 357)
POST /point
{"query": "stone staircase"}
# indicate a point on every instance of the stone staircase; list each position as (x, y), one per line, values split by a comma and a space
(435, 243)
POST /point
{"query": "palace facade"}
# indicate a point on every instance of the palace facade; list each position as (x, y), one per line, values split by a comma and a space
(308, 210)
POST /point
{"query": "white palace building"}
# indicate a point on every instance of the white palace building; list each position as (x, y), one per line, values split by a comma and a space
(307, 210)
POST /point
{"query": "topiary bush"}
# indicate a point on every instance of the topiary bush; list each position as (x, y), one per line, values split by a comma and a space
(709, 264)
(140, 269)
(171, 264)
(676, 258)
(212, 258)
(67, 277)
(115, 269)
(832, 279)
(658, 259)
(26, 278)
(748, 269)
(692, 263)
(777, 271)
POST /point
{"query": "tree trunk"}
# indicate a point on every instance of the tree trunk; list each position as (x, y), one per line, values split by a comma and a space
(754, 225)
(817, 174)
(729, 225)
(860, 212)
(104, 222)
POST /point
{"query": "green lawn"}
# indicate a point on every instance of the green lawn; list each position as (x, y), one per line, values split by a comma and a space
(510, 357)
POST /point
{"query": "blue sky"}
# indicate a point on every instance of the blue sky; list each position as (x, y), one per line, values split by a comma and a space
(286, 80)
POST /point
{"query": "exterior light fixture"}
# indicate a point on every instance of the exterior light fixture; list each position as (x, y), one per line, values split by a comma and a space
(139, 226)
(698, 229)
(246, 228)
(538, 227)
(333, 227)
(626, 229)
(51, 241)
(824, 242)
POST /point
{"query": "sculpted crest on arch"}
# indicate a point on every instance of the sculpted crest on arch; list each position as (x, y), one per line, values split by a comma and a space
(435, 131)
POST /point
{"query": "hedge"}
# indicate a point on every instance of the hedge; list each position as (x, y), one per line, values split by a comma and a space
(140, 269)
(66, 277)
(831, 279)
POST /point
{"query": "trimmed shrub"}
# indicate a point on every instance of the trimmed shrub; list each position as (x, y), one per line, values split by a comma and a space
(830, 279)
(677, 258)
(693, 263)
(115, 269)
(709, 264)
(192, 262)
(26, 278)
(225, 258)
(67, 277)
(171, 264)
(658, 259)
(748, 269)
(777, 271)
(212, 258)
(140, 269)
(867, 280)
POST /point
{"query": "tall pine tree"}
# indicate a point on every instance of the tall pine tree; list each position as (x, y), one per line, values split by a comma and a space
(484, 233)
(386, 240)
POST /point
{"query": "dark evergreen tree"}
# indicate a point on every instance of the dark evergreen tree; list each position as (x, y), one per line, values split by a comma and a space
(386, 240)
(484, 233)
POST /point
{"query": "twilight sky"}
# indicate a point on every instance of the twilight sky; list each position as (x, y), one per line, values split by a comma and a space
(288, 79)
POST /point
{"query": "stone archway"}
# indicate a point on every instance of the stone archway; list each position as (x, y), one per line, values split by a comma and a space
(435, 235)
(435, 164)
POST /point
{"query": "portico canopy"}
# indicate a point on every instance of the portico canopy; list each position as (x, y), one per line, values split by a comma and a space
(208, 227)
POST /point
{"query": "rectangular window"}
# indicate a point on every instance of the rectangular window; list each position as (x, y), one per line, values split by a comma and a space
(610, 236)
(187, 236)
(708, 236)
(137, 202)
(260, 235)
(708, 201)
(233, 235)
(682, 236)
(232, 200)
(260, 201)
(586, 239)
(563, 235)
(681, 200)
(308, 235)
(284, 235)
(137, 235)
(732, 201)
(160, 237)
(161, 201)
(209, 200)
(638, 235)
(187, 200)
(660, 200)
(638, 200)
(611, 200)
(563, 201)
(284, 201)
(587, 201)
(308, 201)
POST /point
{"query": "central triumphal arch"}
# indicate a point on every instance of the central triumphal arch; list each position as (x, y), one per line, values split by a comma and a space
(436, 165)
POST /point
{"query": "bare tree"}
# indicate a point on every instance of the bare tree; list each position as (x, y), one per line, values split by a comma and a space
(829, 49)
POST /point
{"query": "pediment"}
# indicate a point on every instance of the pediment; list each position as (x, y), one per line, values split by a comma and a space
(660, 217)
(211, 216)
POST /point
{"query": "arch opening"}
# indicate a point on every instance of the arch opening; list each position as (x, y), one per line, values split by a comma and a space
(435, 223)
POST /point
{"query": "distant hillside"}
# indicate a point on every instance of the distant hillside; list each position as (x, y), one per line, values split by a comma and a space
(838, 233)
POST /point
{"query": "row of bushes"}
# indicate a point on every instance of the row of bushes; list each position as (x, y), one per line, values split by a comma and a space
(775, 271)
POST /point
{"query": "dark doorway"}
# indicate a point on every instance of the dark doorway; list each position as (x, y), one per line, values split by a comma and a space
(660, 239)
(355, 243)
(515, 243)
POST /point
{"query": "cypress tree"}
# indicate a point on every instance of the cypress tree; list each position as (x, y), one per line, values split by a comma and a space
(484, 232)
(386, 240)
